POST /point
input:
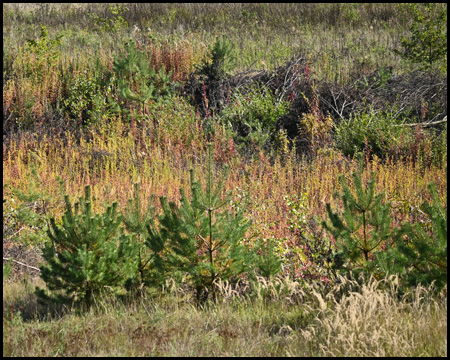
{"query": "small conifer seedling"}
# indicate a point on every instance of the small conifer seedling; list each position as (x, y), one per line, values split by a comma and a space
(136, 219)
(267, 262)
(87, 254)
(137, 80)
(419, 255)
(222, 62)
(364, 225)
(200, 237)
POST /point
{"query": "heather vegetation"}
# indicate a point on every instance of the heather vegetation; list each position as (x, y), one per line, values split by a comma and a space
(225, 179)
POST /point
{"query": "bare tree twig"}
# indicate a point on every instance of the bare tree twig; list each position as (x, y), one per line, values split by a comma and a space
(18, 262)
(426, 124)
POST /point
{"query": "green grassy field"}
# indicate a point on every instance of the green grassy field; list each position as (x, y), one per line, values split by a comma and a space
(301, 90)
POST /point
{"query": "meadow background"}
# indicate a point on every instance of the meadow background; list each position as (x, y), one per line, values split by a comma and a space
(301, 90)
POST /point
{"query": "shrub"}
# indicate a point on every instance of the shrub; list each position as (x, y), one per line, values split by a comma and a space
(7, 268)
(314, 125)
(438, 139)
(374, 132)
(252, 115)
(113, 25)
(46, 52)
(87, 102)
(428, 42)
(320, 259)
(180, 123)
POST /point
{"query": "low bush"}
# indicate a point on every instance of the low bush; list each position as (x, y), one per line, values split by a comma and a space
(252, 114)
(371, 131)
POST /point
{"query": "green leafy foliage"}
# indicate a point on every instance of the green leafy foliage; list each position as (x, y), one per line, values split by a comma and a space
(46, 52)
(90, 99)
(437, 143)
(363, 228)
(375, 132)
(381, 77)
(116, 23)
(319, 257)
(252, 115)
(44, 48)
(87, 254)
(427, 44)
(7, 268)
(199, 237)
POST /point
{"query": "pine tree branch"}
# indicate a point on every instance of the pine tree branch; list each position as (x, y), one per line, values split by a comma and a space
(437, 264)
(151, 257)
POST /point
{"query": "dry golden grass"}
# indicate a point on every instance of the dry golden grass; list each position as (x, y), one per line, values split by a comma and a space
(374, 322)
(277, 319)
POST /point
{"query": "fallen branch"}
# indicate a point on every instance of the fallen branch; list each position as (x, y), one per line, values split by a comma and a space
(426, 124)
(18, 262)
